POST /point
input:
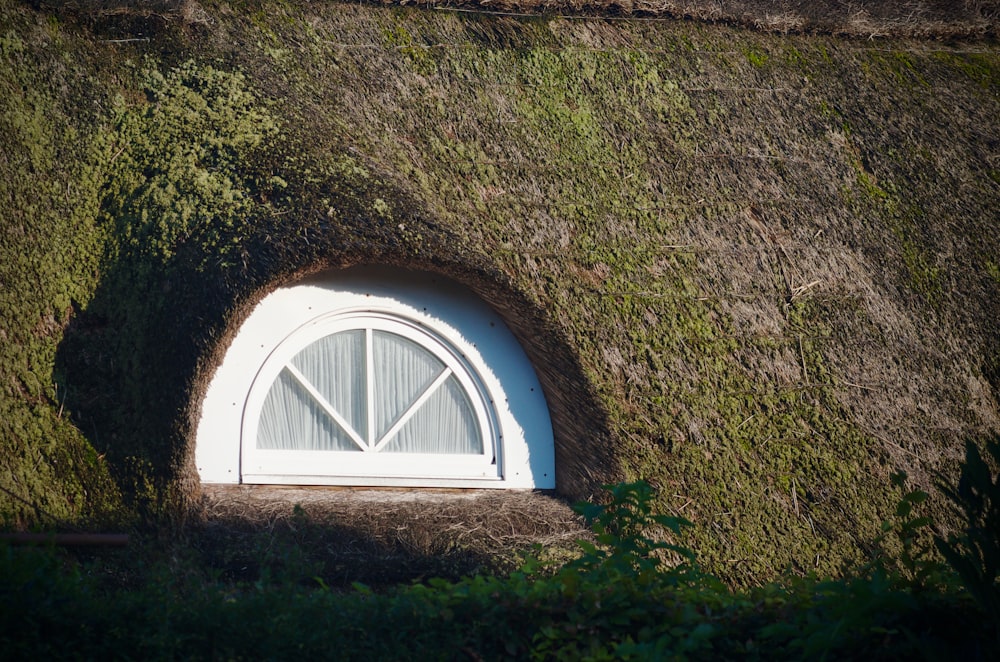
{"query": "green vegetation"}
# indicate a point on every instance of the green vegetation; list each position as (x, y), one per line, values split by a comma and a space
(974, 553)
(627, 595)
(51, 249)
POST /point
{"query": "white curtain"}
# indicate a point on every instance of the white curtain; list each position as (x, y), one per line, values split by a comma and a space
(444, 424)
(402, 370)
(292, 419)
(335, 366)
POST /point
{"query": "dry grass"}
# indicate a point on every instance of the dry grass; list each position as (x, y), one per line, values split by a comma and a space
(865, 18)
(937, 19)
(381, 536)
(479, 520)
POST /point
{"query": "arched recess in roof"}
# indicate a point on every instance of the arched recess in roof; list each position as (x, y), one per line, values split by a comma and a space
(375, 376)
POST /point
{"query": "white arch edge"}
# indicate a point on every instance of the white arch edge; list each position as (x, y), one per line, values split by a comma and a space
(445, 307)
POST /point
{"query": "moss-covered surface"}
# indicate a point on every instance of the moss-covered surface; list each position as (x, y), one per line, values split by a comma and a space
(767, 264)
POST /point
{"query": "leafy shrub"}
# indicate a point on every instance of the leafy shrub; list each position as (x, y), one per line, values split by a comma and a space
(902, 555)
(974, 554)
(629, 595)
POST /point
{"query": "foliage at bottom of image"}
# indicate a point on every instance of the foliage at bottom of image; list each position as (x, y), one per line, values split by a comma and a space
(628, 595)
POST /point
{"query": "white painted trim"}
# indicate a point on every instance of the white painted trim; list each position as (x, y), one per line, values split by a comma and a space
(303, 464)
(494, 362)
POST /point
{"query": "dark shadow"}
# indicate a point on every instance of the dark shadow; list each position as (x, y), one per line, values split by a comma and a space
(375, 538)
(127, 360)
(136, 361)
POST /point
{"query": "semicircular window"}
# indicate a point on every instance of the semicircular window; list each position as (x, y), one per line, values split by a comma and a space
(360, 383)
(375, 384)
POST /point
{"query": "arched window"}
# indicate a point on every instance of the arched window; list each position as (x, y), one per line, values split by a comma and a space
(369, 393)
(373, 377)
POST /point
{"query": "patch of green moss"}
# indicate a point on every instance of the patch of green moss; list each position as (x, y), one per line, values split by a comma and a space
(979, 67)
(54, 149)
(903, 68)
(993, 270)
(756, 57)
(793, 56)
(399, 38)
(777, 454)
(179, 174)
(903, 219)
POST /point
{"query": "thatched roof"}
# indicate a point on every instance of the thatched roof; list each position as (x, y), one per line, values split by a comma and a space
(933, 19)
(759, 270)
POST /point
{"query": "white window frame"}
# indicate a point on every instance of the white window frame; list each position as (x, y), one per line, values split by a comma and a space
(257, 462)
(447, 319)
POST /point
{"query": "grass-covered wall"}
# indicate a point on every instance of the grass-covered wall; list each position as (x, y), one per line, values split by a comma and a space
(760, 271)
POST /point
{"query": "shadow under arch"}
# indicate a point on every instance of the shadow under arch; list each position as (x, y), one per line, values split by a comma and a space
(138, 359)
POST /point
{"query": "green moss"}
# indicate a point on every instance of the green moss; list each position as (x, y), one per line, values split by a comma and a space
(765, 445)
(398, 38)
(55, 148)
(793, 56)
(993, 270)
(903, 68)
(756, 57)
(179, 172)
(979, 67)
(905, 221)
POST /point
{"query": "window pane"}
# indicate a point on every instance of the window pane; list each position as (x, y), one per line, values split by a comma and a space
(445, 423)
(335, 366)
(291, 420)
(403, 370)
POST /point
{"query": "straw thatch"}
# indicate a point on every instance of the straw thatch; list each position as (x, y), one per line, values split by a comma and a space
(759, 270)
(935, 19)
(380, 536)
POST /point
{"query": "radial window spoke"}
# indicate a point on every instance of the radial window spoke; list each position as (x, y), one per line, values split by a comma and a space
(412, 409)
(326, 406)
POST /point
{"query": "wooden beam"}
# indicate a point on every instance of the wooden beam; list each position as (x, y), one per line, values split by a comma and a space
(67, 539)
